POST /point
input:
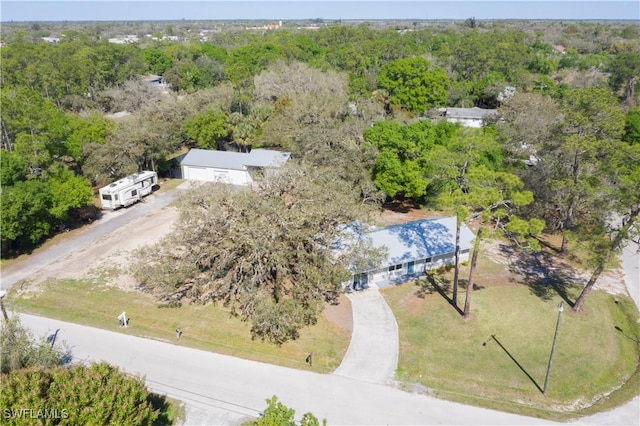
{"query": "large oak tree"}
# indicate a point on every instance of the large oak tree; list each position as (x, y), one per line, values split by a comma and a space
(267, 252)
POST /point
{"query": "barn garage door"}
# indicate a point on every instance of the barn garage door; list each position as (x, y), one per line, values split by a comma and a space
(221, 176)
(196, 173)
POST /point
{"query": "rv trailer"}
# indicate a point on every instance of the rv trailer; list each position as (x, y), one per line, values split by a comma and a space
(128, 190)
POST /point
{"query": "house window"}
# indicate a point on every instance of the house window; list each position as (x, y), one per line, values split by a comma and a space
(464, 251)
(395, 267)
(428, 260)
(106, 197)
(134, 193)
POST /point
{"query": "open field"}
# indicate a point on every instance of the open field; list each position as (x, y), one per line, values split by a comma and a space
(498, 359)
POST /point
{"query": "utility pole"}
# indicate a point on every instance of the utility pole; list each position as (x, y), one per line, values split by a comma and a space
(553, 347)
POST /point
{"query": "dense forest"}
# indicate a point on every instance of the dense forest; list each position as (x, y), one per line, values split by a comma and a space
(355, 102)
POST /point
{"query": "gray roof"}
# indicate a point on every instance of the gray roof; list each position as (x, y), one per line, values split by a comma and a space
(470, 113)
(234, 160)
(419, 239)
(267, 158)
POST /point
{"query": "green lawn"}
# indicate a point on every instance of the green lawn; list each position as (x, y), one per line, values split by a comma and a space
(498, 359)
(209, 327)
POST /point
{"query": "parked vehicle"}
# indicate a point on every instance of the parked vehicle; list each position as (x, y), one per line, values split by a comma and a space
(128, 190)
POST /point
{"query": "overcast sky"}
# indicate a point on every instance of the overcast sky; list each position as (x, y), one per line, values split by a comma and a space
(121, 10)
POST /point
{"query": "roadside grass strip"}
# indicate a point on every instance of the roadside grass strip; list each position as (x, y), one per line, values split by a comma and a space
(210, 327)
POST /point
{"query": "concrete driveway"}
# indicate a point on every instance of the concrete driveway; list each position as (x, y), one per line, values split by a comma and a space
(631, 266)
(372, 355)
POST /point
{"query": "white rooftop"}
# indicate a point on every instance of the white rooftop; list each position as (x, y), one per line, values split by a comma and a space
(420, 239)
(470, 113)
(409, 241)
(235, 160)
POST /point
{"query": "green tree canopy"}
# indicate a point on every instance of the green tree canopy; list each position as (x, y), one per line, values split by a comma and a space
(625, 72)
(414, 84)
(207, 129)
(592, 122)
(98, 395)
(26, 217)
(158, 60)
(20, 349)
(401, 163)
(278, 414)
(632, 127)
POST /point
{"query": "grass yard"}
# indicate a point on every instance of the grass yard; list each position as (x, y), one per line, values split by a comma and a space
(209, 327)
(499, 358)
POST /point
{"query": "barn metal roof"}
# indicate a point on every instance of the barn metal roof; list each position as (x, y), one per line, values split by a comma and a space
(470, 113)
(235, 160)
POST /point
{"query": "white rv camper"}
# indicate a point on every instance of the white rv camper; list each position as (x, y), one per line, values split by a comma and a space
(128, 190)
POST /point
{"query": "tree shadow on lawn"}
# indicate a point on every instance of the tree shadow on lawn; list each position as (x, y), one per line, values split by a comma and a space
(442, 286)
(634, 339)
(526, 373)
(543, 274)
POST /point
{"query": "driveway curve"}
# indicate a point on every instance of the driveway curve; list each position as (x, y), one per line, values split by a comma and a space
(372, 355)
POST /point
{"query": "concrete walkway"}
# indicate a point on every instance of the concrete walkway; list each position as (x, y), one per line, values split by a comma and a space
(372, 355)
(631, 265)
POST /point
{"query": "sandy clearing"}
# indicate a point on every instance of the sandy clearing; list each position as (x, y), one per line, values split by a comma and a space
(114, 251)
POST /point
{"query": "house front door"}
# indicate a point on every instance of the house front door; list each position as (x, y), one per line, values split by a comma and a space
(364, 280)
(411, 266)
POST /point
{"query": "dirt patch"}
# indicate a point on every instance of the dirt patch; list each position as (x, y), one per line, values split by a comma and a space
(340, 313)
(546, 273)
(109, 257)
(402, 211)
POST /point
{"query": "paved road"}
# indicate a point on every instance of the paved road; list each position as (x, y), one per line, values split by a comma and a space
(110, 221)
(225, 390)
(631, 265)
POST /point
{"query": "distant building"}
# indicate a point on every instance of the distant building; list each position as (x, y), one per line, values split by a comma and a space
(266, 27)
(131, 38)
(51, 39)
(468, 117)
(155, 80)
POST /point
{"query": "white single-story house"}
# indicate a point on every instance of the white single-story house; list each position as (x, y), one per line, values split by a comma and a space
(236, 168)
(468, 117)
(412, 248)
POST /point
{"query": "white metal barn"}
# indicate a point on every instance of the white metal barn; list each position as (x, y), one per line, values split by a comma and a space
(128, 190)
(469, 117)
(235, 168)
(412, 249)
